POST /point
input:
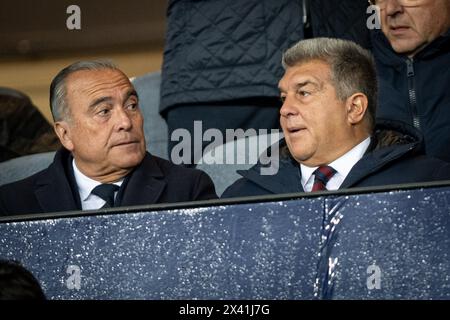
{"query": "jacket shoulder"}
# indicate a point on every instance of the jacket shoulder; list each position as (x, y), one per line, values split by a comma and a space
(244, 188)
(195, 182)
(170, 169)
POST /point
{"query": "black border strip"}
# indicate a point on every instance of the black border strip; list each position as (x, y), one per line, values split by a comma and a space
(222, 202)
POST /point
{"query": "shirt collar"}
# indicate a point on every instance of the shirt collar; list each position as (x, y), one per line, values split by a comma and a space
(343, 164)
(86, 184)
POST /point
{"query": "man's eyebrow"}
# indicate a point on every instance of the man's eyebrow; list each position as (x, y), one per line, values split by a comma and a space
(98, 101)
(302, 84)
(107, 99)
(130, 93)
(305, 83)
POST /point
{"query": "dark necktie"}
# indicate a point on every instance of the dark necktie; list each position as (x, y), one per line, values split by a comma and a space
(321, 177)
(106, 192)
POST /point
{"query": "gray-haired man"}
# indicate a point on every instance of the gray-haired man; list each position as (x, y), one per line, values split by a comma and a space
(104, 162)
(329, 92)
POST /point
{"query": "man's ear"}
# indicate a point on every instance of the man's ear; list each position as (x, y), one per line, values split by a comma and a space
(62, 130)
(356, 106)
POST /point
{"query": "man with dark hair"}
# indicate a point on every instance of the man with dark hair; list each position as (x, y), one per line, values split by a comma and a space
(412, 53)
(104, 162)
(17, 283)
(329, 93)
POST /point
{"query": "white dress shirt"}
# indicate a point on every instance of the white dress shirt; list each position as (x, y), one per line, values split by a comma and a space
(342, 165)
(85, 184)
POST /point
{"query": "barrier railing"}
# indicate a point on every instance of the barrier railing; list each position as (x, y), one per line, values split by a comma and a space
(379, 243)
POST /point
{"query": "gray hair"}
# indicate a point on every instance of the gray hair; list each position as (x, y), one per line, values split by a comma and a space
(352, 67)
(58, 92)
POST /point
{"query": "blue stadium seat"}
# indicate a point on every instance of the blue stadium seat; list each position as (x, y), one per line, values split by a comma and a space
(243, 152)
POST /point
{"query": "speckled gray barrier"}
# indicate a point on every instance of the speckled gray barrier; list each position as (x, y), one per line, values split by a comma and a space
(382, 245)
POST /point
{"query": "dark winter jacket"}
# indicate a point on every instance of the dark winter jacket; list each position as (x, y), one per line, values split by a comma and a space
(222, 50)
(417, 91)
(393, 157)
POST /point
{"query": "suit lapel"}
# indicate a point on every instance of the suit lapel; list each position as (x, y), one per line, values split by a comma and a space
(54, 193)
(53, 197)
(146, 184)
(53, 190)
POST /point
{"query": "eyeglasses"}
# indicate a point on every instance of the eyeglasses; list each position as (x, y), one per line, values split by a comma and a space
(406, 3)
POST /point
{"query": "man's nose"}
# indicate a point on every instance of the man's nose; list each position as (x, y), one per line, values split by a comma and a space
(288, 108)
(393, 7)
(124, 121)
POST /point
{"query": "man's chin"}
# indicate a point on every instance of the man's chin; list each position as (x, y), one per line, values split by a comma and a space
(129, 161)
(406, 46)
(300, 156)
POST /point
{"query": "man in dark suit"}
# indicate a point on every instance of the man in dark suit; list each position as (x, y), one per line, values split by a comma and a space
(329, 94)
(104, 162)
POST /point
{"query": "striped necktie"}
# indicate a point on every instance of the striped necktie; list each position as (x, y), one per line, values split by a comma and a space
(321, 177)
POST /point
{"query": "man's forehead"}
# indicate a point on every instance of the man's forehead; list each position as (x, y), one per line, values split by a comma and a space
(92, 82)
(315, 71)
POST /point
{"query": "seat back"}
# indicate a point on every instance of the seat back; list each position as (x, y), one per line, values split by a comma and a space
(25, 166)
(222, 162)
(155, 127)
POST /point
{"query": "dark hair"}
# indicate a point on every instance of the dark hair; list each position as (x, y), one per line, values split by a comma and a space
(352, 67)
(17, 283)
(58, 103)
